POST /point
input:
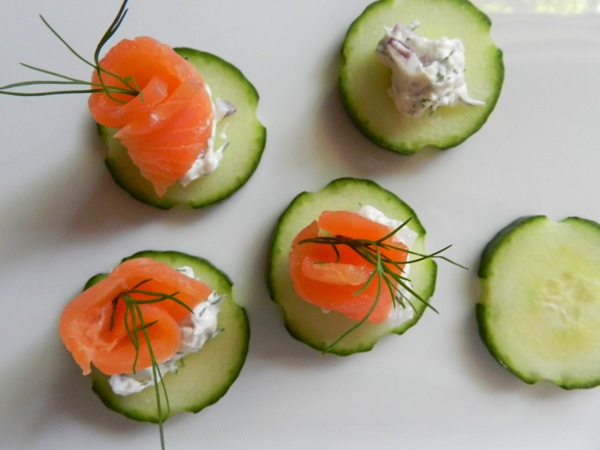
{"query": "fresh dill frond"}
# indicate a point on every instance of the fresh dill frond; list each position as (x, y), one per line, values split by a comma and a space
(136, 325)
(387, 272)
(74, 85)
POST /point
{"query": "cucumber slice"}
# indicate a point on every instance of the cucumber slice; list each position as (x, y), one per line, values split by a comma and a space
(205, 376)
(308, 323)
(245, 134)
(539, 311)
(364, 81)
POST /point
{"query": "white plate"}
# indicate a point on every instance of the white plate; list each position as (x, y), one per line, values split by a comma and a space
(63, 219)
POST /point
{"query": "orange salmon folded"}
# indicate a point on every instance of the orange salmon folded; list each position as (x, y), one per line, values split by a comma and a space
(93, 325)
(166, 127)
(334, 281)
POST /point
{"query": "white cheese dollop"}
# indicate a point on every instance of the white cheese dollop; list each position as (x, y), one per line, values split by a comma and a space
(195, 332)
(426, 74)
(210, 158)
(406, 236)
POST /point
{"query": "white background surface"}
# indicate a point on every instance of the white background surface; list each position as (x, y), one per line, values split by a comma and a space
(62, 220)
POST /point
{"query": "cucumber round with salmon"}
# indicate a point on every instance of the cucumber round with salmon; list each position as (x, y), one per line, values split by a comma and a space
(539, 307)
(159, 334)
(322, 266)
(180, 125)
(419, 73)
(238, 135)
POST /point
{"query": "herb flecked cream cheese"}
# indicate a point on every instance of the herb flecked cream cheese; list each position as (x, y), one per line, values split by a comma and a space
(426, 74)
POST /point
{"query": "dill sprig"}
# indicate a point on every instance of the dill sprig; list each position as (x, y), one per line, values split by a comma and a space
(129, 85)
(386, 271)
(135, 324)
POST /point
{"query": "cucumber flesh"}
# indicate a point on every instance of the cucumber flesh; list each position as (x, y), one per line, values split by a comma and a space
(245, 134)
(308, 323)
(539, 311)
(364, 81)
(205, 376)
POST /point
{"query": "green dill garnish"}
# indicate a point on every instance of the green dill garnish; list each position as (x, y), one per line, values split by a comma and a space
(129, 85)
(135, 324)
(386, 271)
(448, 56)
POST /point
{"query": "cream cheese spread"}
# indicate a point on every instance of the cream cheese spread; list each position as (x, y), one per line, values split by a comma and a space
(426, 74)
(399, 314)
(210, 158)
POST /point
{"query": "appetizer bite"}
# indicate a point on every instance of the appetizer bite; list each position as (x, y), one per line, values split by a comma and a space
(159, 334)
(180, 124)
(419, 73)
(347, 265)
(539, 310)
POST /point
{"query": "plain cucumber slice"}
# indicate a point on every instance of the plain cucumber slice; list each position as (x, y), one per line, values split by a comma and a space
(364, 81)
(308, 323)
(205, 376)
(539, 311)
(244, 132)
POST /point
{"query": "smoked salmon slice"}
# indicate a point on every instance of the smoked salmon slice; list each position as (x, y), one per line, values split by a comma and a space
(336, 282)
(93, 325)
(166, 127)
